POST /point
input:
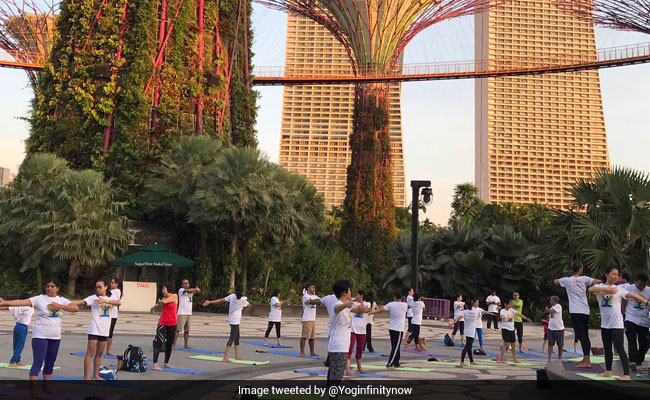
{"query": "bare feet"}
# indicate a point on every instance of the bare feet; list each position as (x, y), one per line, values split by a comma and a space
(515, 361)
(349, 373)
(624, 378)
(226, 360)
(20, 364)
(168, 366)
(303, 356)
(390, 368)
(606, 374)
(361, 371)
(462, 365)
(110, 354)
(14, 365)
(314, 355)
(582, 365)
(157, 368)
(99, 378)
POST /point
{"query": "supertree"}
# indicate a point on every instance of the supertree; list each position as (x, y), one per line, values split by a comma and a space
(629, 15)
(27, 31)
(374, 34)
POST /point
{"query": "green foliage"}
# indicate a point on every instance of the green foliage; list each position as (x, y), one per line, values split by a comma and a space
(466, 204)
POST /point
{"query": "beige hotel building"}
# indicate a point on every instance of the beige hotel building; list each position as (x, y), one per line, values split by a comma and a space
(536, 134)
(317, 119)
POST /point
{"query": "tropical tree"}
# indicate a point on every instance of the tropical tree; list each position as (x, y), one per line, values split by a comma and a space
(465, 204)
(608, 224)
(399, 276)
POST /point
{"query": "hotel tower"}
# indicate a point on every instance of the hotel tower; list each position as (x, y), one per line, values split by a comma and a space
(317, 119)
(536, 134)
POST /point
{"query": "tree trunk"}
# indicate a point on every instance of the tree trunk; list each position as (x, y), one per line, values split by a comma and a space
(233, 261)
(368, 227)
(244, 265)
(73, 274)
(268, 273)
(204, 263)
(39, 278)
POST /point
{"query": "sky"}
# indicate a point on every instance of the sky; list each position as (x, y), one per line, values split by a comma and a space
(437, 116)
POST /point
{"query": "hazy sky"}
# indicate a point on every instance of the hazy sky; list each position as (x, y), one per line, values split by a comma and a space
(437, 117)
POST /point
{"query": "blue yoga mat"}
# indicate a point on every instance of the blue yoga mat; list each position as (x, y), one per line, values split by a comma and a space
(83, 354)
(121, 384)
(318, 372)
(181, 370)
(371, 353)
(288, 353)
(201, 351)
(271, 346)
(579, 352)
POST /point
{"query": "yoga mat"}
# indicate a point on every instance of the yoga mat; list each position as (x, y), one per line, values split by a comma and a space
(232, 360)
(202, 351)
(6, 365)
(595, 368)
(455, 344)
(424, 353)
(457, 365)
(319, 372)
(574, 352)
(594, 359)
(371, 353)
(288, 353)
(613, 381)
(272, 346)
(83, 354)
(410, 369)
(180, 370)
(521, 364)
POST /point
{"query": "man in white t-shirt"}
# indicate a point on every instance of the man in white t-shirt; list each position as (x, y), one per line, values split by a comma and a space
(493, 303)
(185, 294)
(397, 310)
(636, 320)
(22, 317)
(339, 307)
(309, 303)
(507, 316)
(555, 328)
(409, 313)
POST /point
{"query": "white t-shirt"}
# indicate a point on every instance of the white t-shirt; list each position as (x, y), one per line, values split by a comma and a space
(184, 302)
(359, 320)
(636, 312)
(555, 322)
(309, 310)
(235, 308)
(397, 310)
(471, 317)
(371, 318)
(339, 328)
(100, 316)
(479, 315)
(275, 315)
(492, 308)
(458, 308)
(418, 308)
(116, 294)
(610, 308)
(508, 321)
(22, 315)
(409, 301)
(48, 323)
(576, 290)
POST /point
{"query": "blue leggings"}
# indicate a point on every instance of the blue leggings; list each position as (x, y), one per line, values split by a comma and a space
(479, 333)
(20, 334)
(44, 350)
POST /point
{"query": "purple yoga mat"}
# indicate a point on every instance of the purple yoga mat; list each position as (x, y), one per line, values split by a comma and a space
(569, 366)
(424, 353)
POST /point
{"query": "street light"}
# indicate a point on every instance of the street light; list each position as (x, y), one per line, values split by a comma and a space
(415, 209)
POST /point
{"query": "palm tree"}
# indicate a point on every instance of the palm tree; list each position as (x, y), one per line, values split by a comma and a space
(399, 276)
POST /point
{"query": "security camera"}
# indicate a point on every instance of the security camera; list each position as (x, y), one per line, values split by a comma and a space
(427, 194)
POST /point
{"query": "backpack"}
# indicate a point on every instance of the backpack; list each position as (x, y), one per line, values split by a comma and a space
(479, 352)
(134, 359)
(447, 341)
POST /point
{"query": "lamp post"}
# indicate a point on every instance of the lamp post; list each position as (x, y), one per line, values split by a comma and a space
(415, 209)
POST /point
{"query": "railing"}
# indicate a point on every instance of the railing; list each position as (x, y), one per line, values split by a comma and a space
(17, 59)
(436, 308)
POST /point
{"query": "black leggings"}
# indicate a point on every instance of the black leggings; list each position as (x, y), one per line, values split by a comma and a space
(467, 350)
(395, 340)
(493, 318)
(415, 334)
(615, 337)
(277, 329)
(234, 335)
(368, 344)
(581, 330)
(165, 336)
(459, 326)
(636, 335)
(519, 328)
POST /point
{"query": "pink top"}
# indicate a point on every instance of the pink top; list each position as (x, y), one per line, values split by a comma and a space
(168, 316)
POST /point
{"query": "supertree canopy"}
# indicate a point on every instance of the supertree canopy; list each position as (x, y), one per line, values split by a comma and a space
(374, 33)
(631, 15)
(27, 31)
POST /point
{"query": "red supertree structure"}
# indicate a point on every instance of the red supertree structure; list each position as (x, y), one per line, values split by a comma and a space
(374, 34)
(630, 15)
(27, 30)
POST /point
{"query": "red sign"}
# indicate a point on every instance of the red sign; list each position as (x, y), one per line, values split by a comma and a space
(143, 284)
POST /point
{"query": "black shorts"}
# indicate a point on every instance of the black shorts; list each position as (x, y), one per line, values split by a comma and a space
(98, 338)
(410, 326)
(508, 336)
(113, 322)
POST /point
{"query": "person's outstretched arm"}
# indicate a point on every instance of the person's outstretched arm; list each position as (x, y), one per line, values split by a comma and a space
(218, 301)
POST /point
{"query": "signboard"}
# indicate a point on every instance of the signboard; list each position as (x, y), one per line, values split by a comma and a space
(153, 264)
(139, 296)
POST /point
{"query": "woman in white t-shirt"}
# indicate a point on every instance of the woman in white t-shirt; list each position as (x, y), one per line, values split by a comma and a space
(275, 316)
(117, 290)
(459, 305)
(370, 296)
(612, 325)
(359, 320)
(417, 307)
(100, 325)
(236, 304)
(472, 318)
(46, 335)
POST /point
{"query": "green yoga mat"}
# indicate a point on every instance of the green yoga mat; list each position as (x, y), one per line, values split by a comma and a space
(613, 381)
(232, 360)
(410, 369)
(6, 365)
(594, 359)
(519, 364)
(457, 364)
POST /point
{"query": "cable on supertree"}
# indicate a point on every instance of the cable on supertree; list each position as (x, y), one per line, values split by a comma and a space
(628, 15)
(374, 33)
(27, 30)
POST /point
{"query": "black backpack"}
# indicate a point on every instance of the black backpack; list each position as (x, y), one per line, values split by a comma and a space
(134, 359)
(448, 341)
